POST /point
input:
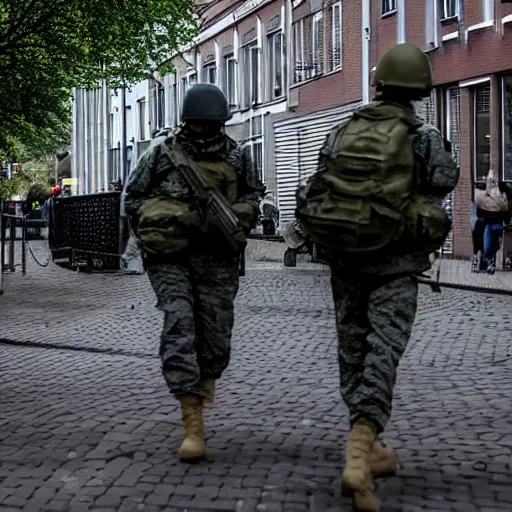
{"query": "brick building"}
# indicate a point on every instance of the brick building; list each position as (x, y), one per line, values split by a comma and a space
(292, 69)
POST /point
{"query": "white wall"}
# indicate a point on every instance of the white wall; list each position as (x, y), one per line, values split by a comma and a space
(97, 115)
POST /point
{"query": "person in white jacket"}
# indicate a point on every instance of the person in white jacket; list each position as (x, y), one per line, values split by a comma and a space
(492, 205)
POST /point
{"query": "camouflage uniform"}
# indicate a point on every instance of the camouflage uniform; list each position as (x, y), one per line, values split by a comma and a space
(375, 300)
(196, 288)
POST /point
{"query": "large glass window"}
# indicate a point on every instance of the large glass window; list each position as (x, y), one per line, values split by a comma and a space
(481, 131)
(507, 129)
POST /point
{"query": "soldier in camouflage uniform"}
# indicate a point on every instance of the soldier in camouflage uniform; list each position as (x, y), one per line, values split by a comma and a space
(194, 273)
(375, 298)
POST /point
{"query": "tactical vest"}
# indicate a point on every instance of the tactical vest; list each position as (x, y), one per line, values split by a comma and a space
(166, 224)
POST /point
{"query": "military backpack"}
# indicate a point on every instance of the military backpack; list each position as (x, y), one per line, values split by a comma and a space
(358, 203)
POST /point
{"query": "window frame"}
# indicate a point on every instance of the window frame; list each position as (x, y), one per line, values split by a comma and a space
(272, 37)
(309, 48)
(251, 83)
(488, 10)
(475, 133)
(142, 111)
(445, 15)
(336, 37)
(256, 139)
(317, 46)
(160, 110)
(207, 69)
(232, 101)
(388, 8)
(174, 100)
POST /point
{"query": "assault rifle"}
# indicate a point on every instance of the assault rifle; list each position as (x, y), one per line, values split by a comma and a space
(215, 208)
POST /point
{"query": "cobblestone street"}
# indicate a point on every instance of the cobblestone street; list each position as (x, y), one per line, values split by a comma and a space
(87, 424)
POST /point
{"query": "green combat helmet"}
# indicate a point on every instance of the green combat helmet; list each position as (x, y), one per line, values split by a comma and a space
(205, 102)
(405, 65)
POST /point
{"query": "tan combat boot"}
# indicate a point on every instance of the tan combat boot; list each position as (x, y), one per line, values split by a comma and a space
(209, 388)
(193, 447)
(357, 477)
(383, 461)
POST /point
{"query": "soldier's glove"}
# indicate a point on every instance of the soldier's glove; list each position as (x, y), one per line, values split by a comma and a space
(246, 215)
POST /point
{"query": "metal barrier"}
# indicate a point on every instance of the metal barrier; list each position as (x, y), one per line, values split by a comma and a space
(450, 272)
(86, 230)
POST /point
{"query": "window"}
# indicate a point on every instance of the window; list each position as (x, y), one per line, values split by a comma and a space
(175, 114)
(253, 134)
(185, 83)
(388, 6)
(161, 108)
(318, 43)
(449, 9)
(183, 91)
(481, 131)
(453, 122)
(507, 128)
(251, 75)
(230, 81)
(277, 62)
(210, 74)
(111, 131)
(309, 47)
(488, 6)
(336, 37)
(302, 41)
(143, 120)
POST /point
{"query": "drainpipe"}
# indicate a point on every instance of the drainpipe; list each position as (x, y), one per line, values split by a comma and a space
(123, 136)
(106, 135)
(365, 58)
(74, 144)
(401, 36)
(86, 141)
(462, 24)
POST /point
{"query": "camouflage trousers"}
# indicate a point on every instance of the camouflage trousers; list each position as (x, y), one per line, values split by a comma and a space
(374, 319)
(197, 298)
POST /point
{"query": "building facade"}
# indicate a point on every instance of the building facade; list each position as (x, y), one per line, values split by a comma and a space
(292, 69)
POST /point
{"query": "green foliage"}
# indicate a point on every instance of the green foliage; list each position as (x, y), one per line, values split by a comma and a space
(47, 47)
(34, 173)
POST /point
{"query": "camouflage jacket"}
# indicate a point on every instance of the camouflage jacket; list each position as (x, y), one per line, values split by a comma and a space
(438, 177)
(154, 176)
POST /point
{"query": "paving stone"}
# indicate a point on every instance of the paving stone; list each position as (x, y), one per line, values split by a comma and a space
(85, 430)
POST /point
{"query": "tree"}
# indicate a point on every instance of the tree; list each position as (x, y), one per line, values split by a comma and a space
(47, 47)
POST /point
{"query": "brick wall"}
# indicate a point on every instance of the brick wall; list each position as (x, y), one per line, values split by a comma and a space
(341, 87)
(463, 193)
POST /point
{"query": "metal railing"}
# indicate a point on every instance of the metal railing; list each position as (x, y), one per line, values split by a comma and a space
(86, 230)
